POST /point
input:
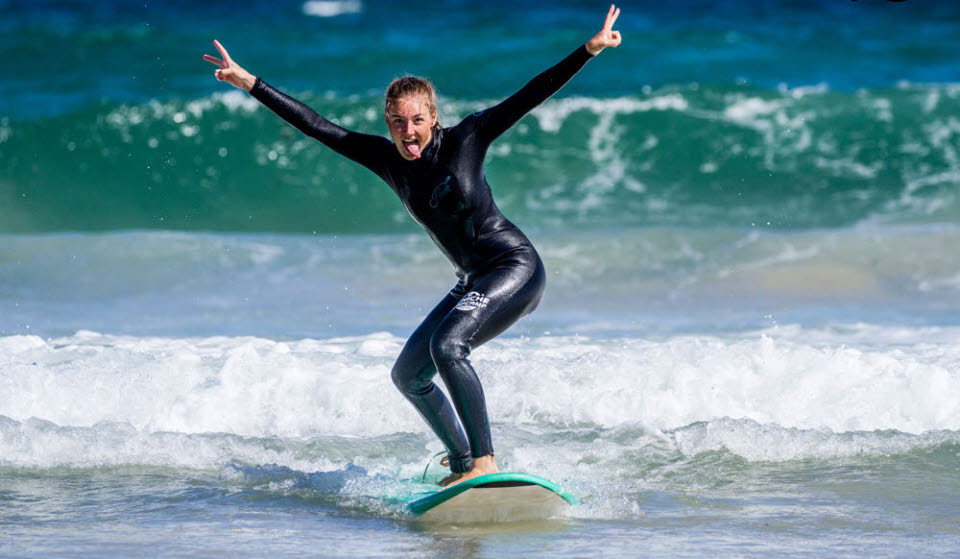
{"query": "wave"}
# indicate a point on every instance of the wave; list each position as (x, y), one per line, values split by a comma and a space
(36, 443)
(255, 387)
(613, 470)
(318, 419)
(692, 156)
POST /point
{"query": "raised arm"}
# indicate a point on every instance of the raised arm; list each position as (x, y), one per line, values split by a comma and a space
(498, 119)
(363, 148)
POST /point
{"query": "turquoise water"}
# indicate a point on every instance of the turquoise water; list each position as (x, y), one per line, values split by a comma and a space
(690, 156)
(748, 214)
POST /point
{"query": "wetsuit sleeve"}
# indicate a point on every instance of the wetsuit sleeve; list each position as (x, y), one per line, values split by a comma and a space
(365, 149)
(498, 119)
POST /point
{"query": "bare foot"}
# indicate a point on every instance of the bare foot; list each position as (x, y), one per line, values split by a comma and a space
(454, 476)
(481, 467)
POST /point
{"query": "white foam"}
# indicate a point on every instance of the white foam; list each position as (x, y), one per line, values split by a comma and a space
(125, 117)
(849, 167)
(747, 110)
(916, 193)
(5, 129)
(38, 443)
(244, 386)
(551, 115)
(332, 8)
(259, 387)
(768, 443)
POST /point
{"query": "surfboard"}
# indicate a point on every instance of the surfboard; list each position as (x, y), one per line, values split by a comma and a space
(500, 497)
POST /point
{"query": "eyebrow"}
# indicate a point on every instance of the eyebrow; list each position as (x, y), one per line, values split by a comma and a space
(401, 116)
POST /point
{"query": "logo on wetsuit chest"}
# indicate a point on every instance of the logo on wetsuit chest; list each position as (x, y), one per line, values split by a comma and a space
(472, 300)
(440, 191)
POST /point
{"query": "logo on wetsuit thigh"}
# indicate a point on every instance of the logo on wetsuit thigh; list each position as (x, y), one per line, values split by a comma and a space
(471, 301)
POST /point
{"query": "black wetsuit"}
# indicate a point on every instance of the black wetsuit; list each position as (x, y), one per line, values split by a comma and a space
(501, 275)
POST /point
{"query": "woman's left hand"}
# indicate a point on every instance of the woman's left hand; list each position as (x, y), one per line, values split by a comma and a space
(230, 71)
(606, 37)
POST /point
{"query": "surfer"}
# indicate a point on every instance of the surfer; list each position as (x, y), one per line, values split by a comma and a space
(438, 174)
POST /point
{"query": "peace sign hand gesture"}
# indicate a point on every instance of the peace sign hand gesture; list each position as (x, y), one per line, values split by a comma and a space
(606, 37)
(230, 71)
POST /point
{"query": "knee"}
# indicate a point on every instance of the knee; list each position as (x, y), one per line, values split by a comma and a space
(404, 378)
(411, 381)
(445, 349)
(399, 377)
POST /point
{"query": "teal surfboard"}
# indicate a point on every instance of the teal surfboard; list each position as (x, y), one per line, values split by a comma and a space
(501, 497)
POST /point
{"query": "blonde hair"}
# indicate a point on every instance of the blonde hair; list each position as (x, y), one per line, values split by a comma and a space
(411, 86)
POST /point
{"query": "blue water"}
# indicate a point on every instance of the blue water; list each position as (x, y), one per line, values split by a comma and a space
(748, 212)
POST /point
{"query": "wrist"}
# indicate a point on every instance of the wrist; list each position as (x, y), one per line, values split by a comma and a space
(248, 82)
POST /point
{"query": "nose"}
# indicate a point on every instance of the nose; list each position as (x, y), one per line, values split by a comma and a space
(408, 129)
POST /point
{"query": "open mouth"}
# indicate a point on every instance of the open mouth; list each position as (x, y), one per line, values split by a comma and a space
(412, 147)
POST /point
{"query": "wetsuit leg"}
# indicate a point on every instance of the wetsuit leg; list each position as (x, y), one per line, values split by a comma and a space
(496, 300)
(413, 374)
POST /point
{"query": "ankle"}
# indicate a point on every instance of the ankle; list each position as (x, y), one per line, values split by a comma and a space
(485, 463)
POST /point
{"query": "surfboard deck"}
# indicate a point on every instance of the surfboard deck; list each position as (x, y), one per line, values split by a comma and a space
(500, 497)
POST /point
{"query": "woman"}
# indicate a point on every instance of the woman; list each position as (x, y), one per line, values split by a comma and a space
(438, 175)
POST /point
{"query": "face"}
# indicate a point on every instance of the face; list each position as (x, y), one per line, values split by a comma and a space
(411, 121)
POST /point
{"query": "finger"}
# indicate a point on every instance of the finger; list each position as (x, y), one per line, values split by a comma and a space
(223, 52)
(214, 60)
(611, 18)
(607, 22)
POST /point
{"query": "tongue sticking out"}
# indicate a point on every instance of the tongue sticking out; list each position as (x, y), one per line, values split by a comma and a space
(413, 149)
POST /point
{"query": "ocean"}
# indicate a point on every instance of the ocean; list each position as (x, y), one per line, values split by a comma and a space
(749, 345)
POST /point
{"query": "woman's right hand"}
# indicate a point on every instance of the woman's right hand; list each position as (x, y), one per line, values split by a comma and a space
(230, 71)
